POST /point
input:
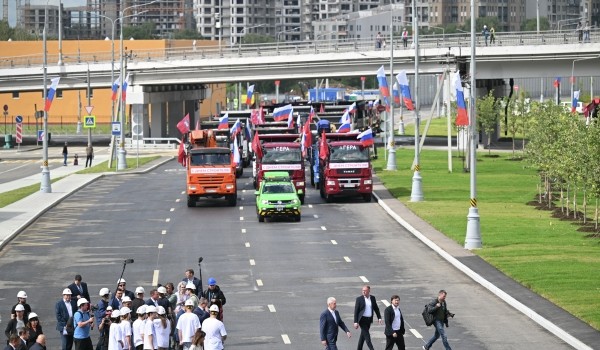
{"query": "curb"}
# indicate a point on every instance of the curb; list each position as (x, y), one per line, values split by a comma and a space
(537, 318)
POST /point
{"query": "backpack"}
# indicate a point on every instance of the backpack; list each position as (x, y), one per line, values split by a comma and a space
(70, 326)
(427, 317)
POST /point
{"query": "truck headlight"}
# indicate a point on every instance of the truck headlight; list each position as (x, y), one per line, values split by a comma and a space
(193, 188)
(294, 201)
(229, 186)
(264, 202)
(368, 182)
(330, 183)
(300, 184)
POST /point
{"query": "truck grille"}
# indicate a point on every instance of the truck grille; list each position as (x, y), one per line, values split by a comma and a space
(207, 179)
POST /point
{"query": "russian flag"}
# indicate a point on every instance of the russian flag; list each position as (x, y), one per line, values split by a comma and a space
(249, 95)
(290, 120)
(396, 94)
(124, 88)
(462, 119)
(115, 88)
(236, 152)
(383, 85)
(283, 113)
(310, 115)
(405, 88)
(235, 128)
(345, 119)
(366, 138)
(575, 101)
(51, 93)
(306, 138)
(247, 130)
(223, 122)
(344, 128)
(352, 108)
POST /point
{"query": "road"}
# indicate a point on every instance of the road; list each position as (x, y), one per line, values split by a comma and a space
(276, 275)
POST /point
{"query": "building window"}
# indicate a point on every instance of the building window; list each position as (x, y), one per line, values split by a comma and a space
(15, 94)
(59, 93)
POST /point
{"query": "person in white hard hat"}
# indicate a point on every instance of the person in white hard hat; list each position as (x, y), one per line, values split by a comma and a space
(162, 329)
(103, 316)
(22, 300)
(150, 340)
(104, 328)
(214, 329)
(34, 328)
(126, 331)
(190, 291)
(137, 329)
(63, 310)
(126, 302)
(187, 324)
(84, 322)
(17, 322)
(115, 333)
(137, 302)
(162, 299)
(122, 284)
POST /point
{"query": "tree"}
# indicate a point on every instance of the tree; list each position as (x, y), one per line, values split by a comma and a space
(257, 39)
(186, 34)
(6, 32)
(487, 116)
(143, 32)
(530, 25)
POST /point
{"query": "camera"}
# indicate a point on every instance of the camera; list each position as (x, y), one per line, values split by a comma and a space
(106, 320)
(93, 308)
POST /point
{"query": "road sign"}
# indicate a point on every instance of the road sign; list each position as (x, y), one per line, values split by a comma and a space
(277, 82)
(6, 108)
(89, 109)
(116, 128)
(19, 119)
(89, 121)
(19, 133)
(40, 135)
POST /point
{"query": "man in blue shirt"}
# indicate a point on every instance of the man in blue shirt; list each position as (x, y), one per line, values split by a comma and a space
(84, 322)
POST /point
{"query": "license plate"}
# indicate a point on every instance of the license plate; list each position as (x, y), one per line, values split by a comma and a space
(211, 191)
(348, 185)
(279, 207)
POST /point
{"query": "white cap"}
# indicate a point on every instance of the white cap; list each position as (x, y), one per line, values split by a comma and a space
(161, 310)
(141, 310)
(126, 299)
(150, 308)
(82, 301)
(115, 314)
(32, 315)
(104, 291)
(214, 308)
(162, 290)
(20, 307)
(121, 280)
(109, 308)
(125, 310)
(22, 294)
(67, 291)
(189, 302)
(190, 285)
(139, 290)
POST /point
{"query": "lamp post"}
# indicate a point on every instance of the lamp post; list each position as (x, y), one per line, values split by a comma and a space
(60, 55)
(391, 159)
(443, 32)
(284, 31)
(45, 185)
(322, 35)
(416, 194)
(242, 32)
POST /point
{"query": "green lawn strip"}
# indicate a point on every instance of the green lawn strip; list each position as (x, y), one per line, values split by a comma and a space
(545, 254)
(439, 128)
(131, 165)
(10, 197)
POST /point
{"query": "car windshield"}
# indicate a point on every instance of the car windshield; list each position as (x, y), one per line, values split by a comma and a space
(348, 154)
(210, 159)
(278, 188)
(281, 155)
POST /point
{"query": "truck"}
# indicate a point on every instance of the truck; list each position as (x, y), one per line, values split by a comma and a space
(343, 166)
(224, 140)
(211, 172)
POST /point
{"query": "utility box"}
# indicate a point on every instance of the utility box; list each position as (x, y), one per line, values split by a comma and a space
(8, 141)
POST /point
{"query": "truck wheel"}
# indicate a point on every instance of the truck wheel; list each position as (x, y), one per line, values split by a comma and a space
(367, 197)
(321, 192)
(301, 199)
(191, 201)
(254, 184)
(239, 172)
(232, 200)
(297, 218)
(328, 197)
(312, 178)
(260, 218)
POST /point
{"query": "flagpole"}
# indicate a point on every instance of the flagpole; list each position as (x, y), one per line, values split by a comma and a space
(391, 159)
(416, 194)
(46, 184)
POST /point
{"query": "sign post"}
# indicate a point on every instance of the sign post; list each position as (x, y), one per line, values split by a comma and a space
(19, 122)
(5, 115)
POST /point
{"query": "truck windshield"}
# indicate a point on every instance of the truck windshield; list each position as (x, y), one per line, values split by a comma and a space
(281, 155)
(348, 154)
(210, 159)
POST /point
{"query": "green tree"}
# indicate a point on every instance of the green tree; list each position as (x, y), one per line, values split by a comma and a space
(487, 116)
(257, 39)
(6, 32)
(186, 34)
(143, 32)
(530, 25)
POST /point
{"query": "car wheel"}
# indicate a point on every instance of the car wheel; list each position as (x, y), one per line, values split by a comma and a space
(301, 199)
(232, 200)
(367, 197)
(191, 201)
(261, 218)
(298, 218)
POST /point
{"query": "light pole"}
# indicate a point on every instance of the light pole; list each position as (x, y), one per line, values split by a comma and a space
(473, 237)
(443, 33)
(416, 194)
(60, 55)
(322, 35)
(46, 184)
(284, 31)
(391, 159)
(242, 32)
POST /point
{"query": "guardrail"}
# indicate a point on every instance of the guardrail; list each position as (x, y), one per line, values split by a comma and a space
(309, 47)
(153, 142)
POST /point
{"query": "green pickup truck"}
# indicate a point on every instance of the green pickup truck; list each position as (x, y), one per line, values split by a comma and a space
(277, 197)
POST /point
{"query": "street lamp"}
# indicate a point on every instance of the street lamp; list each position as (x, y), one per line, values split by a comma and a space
(416, 194)
(60, 55)
(46, 184)
(322, 35)
(242, 32)
(284, 31)
(391, 160)
(443, 32)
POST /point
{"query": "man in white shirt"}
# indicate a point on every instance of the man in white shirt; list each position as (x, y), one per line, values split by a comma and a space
(364, 309)
(214, 330)
(63, 310)
(394, 325)
(187, 324)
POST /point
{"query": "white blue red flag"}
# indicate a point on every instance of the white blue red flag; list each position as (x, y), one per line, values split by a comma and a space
(345, 119)
(366, 138)
(235, 128)
(283, 113)
(115, 88)
(396, 94)
(575, 101)
(384, 90)
(405, 89)
(462, 119)
(345, 127)
(124, 88)
(223, 122)
(247, 130)
(249, 95)
(290, 120)
(236, 151)
(352, 108)
(51, 93)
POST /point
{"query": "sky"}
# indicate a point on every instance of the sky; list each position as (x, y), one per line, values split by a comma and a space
(12, 17)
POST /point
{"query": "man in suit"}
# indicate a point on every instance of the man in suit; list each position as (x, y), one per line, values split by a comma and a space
(329, 322)
(63, 310)
(189, 278)
(394, 325)
(364, 307)
(78, 290)
(40, 343)
(14, 342)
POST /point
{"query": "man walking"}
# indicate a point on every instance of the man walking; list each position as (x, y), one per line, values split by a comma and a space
(439, 309)
(394, 325)
(187, 325)
(64, 310)
(65, 153)
(329, 322)
(364, 307)
(405, 38)
(214, 330)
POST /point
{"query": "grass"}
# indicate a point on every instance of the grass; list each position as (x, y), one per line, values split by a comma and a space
(20, 193)
(132, 163)
(545, 254)
(439, 128)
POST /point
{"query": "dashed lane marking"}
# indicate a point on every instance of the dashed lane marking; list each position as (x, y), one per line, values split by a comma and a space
(155, 278)
(252, 262)
(364, 279)
(310, 206)
(172, 209)
(241, 208)
(271, 307)
(334, 242)
(347, 259)
(178, 200)
(247, 244)
(385, 302)
(323, 228)
(160, 246)
(168, 220)
(316, 216)
(416, 333)
(286, 339)
(259, 283)
(243, 230)
(241, 218)
(182, 192)
(164, 232)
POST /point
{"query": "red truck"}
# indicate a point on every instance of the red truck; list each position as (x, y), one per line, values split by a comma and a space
(344, 166)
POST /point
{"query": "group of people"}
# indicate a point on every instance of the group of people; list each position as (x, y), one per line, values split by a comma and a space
(380, 41)
(489, 34)
(182, 318)
(365, 309)
(89, 155)
(583, 32)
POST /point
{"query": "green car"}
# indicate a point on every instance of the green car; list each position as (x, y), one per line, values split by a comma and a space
(277, 197)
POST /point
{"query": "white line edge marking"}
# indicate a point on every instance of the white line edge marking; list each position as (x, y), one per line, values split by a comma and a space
(241, 218)
(172, 209)
(334, 242)
(178, 200)
(259, 282)
(155, 277)
(347, 259)
(323, 228)
(315, 216)
(415, 333)
(310, 206)
(364, 279)
(385, 302)
(241, 207)
(252, 262)
(168, 220)
(271, 308)
(286, 339)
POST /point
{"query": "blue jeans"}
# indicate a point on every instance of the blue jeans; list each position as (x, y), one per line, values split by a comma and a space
(64, 159)
(439, 331)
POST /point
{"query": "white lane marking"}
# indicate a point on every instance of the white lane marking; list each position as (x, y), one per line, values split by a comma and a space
(323, 228)
(310, 205)
(182, 192)
(6, 171)
(160, 246)
(259, 283)
(316, 216)
(364, 279)
(241, 208)
(252, 262)
(286, 339)
(164, 232)
(385, 302)
(247, 244)
(241, 218)
(168, 220)
(333, 241)
(415, 333)
(347, 259)
(172, 209)
(178, 200)
(243, 230)
(243, 191)
(155, 278)
(271, 307)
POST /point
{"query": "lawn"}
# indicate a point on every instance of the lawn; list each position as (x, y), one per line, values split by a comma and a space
(545, 254)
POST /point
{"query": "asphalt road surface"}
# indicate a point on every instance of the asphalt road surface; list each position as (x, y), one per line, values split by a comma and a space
(276, 275)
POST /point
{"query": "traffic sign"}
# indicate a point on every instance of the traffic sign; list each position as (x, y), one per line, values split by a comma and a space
(116, 128)
(89, 109)
(6, 108)
(89, 121)
(19, 119)
(40, 135)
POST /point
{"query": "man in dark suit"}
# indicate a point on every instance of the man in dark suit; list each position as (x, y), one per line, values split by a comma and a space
(40, 343)
(394, 325)
(189, 278)
(78, 290)
(329, 322)
(364, 308)
(14, 342)
(63, 310)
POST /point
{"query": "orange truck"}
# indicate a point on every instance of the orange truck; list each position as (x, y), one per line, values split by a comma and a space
(210, 169)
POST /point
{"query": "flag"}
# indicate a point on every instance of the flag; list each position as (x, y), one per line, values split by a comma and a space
(184, 124)
(256, 147)
(115, 88)
(254, 118)
(383, 85)
(462, 118)
(51, 93)
(283, 113)
(322, 109)
(247, 130)
(311, 115)
(323, 148)
(249, 95)
(236, 152)
(396, 94)
(124, 88)
(366, 138)
(345, 127)
(290, 120)
(223, 122)
(405, 89)
(557, 82)
(345, 119)
(306, 138)
(303, 144)
(235, 128)
(261, 115)
(352, 108)
(299, 121)
(181, 154)
(575, 101)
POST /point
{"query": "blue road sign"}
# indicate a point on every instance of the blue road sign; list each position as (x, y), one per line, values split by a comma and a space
(40, 135)
(116, 128)
(19, 119)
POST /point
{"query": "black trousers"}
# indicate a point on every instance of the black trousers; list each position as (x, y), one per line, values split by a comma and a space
(365, 336)
(83, 344)
(398, 340)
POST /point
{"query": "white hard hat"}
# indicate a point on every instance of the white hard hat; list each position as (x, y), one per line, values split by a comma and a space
(125, 310)
(190, 285)
(20, 307)
(126, 299)
(121, 280)
(161, 310)
(22, 294)
(67, 291)
(115, 314)
(32, 315)
(214, 308)
(162, 290)
(104, 291)
(82, 301)
(139, 290)
(150, 308)
(109, 308)
(141, 310)
(189, 302)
